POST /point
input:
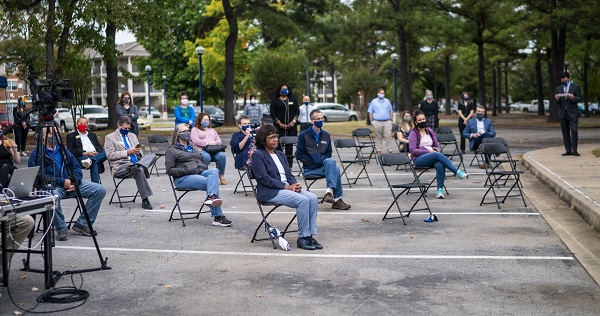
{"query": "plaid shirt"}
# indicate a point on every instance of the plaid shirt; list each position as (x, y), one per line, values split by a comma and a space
(255, 113)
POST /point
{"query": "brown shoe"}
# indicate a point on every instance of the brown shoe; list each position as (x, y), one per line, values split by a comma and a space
(328, 198)
(223, 181)
(484, 166)
(340, 205)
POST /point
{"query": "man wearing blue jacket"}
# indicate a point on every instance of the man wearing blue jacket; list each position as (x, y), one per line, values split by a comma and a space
(314, 151)
(477, 129)
(183, 112)
(55, 167)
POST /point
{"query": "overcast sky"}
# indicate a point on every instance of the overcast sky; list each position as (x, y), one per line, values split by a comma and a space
(124, 37)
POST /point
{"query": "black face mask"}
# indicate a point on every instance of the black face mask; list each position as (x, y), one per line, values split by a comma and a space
(422, 124)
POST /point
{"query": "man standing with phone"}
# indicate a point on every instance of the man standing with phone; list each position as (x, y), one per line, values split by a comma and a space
(567, 96)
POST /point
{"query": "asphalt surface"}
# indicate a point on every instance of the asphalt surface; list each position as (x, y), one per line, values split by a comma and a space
(475, 260)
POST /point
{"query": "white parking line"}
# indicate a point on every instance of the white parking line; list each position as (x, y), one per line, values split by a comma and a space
(312, 255)
(370, 213)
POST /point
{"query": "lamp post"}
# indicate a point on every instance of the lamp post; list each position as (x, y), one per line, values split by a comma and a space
(122, 88)
(200, 52)
(394, 57)
(164, 78)
(148, 70)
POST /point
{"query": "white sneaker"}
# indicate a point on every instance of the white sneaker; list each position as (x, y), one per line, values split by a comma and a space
(86, 163)
(23, 154)
(440, 194)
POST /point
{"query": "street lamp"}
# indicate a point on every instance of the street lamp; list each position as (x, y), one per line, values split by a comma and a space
(148, 70)
(394, 57)
(200, 52)
(164, 78)
(122, 88)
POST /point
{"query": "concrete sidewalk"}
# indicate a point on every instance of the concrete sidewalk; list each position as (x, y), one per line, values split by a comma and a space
(575, 180)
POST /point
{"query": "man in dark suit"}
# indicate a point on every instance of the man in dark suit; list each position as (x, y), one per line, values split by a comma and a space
(477, 129)
(567, 96)
(84, 145)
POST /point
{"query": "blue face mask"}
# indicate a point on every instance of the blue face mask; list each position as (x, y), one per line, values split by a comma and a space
(306, 103)
(22, 103)
(466, 98)
(284, 92)
(124, 132)
(318, 124)
(205, 124)
(245, 127)
(479, 116)
(185, 137)
(566, 83)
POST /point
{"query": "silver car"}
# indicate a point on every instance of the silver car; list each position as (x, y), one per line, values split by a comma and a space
(333, 112)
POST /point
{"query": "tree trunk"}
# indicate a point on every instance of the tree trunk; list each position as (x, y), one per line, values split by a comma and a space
(499, 74)
(112, 79)
(494, 108)
(586, 66)
(64, 40)
(481, 73)
(228, 80)
(405, 90)
(506, 86)
(50, 39)
(538, 80)
(447, 83)
(557, 55)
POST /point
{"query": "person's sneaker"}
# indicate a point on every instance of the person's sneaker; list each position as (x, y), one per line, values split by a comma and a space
(440, 194)
(62, 235)
(25, 155)
(328, 198)
(213, 200)
(461, 174)
(340, 205)
(84, 230)
(86, 163)
(221, 221)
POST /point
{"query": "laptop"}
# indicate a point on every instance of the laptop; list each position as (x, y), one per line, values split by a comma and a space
(22, 181)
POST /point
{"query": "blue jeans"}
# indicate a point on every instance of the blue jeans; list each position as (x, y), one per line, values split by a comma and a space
(306, 205)
(207, 181)
(94, 192)
(439, 162)
(332, 175)
(96, 162)
(219, 158)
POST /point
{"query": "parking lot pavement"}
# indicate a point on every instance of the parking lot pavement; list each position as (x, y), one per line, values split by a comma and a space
(474, 260)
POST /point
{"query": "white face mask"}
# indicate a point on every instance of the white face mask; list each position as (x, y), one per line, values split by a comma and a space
(184, 102)
(381, 95)
(252, 102)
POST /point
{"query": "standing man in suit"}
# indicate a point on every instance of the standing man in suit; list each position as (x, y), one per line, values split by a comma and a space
(477, 129)
(567, 96)
(84, 145)
(128, 159)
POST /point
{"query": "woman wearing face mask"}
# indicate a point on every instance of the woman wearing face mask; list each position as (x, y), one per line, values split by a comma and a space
(9, 156)
(186, 165)
(424, 149)
(466, 111)
(22, 129)
(430, 108)
(403, 130)
(284, 112)
(202, 135)
(184, 114)
(125, 107)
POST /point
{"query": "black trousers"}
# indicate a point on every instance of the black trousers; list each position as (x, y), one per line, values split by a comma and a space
(569, 131)
(21, 137)
(461, 128)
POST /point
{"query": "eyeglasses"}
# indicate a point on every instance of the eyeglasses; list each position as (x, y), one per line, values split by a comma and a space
(319, 119)
(272, 137)
(184, 131)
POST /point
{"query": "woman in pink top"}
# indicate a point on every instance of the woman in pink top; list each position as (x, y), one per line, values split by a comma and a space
(203, 134)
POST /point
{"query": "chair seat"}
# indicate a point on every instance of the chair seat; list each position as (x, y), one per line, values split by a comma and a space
(270, 204)
(504, 173)
(314, 177)
(409, 185)
(359, 160)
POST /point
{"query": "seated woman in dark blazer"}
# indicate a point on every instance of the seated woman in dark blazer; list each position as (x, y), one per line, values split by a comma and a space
(276, 184)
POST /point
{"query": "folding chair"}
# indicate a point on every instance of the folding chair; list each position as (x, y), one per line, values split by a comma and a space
(286, 141)
(182, 215)
(500, 149)
(448, 139)
(364, 138)
(158, 145)
(264, 215)
(422, 171)
(122, 198)
(347, 163)
(396, 160)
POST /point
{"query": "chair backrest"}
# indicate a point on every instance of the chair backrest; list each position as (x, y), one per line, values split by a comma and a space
(492, 148)
(495, 140)
(344, 143)
(361, 132)
(393, 160)
(158, 139)
(445, 138)
(443, 130)
(285, 140)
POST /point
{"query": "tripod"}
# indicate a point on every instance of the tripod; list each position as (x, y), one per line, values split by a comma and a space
(47, 131)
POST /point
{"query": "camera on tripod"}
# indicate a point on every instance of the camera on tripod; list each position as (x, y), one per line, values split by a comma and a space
(46, 96)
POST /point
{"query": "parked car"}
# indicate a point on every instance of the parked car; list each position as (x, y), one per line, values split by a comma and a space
(143, 111)
(333, 112)
(143, 123)
(593, 107)
(533, 106)
(517, 106)
(453, 108)
(6, 119)
(96, 115)
(217, 116)
(266, 114)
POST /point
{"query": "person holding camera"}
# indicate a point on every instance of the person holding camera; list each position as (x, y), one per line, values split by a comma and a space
(20, 114)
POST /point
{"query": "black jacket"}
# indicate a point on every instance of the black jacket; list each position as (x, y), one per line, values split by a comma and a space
(179, 162)
(76, 147)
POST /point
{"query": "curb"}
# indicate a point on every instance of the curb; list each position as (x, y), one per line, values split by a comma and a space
(566, 192)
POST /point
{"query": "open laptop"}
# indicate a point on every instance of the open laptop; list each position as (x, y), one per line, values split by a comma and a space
(22, 181)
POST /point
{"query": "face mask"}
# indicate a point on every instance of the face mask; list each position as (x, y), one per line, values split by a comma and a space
(381, 95)
(318, 124)
(52, 141)
(185, 136)
(253, 102)
(123, 132)
(422, 124)
(306, 103)
(82, 127)
(205, 124)
(245, 127)
(126, 100)
(22, 103)
(429, 97)
(184, 102)
(407, 119)
(479, 116)
(466, 98)
(284, 92)
(566, 83)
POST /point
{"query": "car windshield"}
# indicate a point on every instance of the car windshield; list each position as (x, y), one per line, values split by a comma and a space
(95, 111)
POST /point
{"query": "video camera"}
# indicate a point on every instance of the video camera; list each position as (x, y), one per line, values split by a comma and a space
(46, 96)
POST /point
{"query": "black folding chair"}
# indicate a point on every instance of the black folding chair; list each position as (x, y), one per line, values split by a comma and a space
(396, 160)
(287, 141)
(496, 175)
(242, 173)
(365, 142)
(182, 215)
(158, 145)
(121, 198)
(447, 140)
(264, 215)
(347, 163)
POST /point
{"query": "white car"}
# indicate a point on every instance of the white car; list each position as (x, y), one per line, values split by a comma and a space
(336, 112)
(61, 116)
(143, 111)
(96, 115)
